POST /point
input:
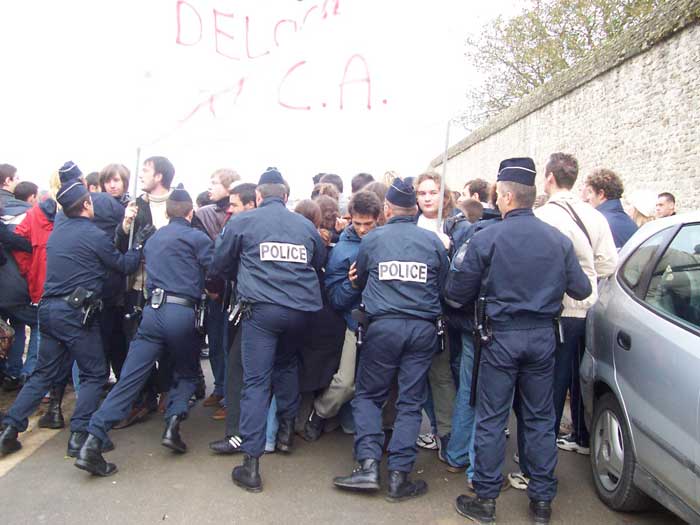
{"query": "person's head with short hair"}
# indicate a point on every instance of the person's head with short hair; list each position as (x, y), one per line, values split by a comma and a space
(665, 205)
(364, 208)
(241, 198)
(400, 200)
(114, 179)
(515, 185)
(271, 185)
(311, 210)
(329, 211)
(472, 209)
(642, 206)
(92, 181)
(325, 188)
(179, 205)
(203, 199)
(560, 173)
(8, 177)
(359, 181)
(428, 194)
(335, 180)
(477, 189)
(317, 178)
(26, 191)
(220, 182)
(157, 175)
(379, 189)
(603, 185)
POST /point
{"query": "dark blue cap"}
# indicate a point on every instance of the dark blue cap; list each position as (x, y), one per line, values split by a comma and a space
(401, 194)
(519, 169)
(179, 194)
(69, 171)
(271, 176)
(71, 192)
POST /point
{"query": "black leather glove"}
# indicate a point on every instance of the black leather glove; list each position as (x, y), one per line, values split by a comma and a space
(143, 235)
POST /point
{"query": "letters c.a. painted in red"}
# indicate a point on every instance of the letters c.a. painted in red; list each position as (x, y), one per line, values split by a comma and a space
(284, 79)
(362, 80)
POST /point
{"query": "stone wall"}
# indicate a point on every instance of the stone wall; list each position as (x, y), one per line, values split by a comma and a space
(632, 106)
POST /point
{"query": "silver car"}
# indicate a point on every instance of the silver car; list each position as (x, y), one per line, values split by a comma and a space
(640, 374)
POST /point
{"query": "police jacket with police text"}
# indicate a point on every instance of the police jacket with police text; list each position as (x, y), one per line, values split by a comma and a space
(78, 253)
(273, 255)
(527, 266)
(401, 269)
(177, 257)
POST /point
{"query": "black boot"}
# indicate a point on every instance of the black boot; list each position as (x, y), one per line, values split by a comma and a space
(285, 435)
(77, 440)
(54, 417)
(247, 476)
(314, 426)
(540, 511)
(401, 488)
(90, 458)
(364, 477)
(171, 435)
(8, 441)
(478, 509)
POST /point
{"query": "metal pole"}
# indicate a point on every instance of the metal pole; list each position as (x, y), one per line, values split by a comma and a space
(136, 186)
(444, 173)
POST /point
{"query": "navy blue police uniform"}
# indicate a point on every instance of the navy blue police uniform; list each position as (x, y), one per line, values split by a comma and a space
(401, 269)
(273, 255)
(79, 256)
(522, 267)
(177, 257)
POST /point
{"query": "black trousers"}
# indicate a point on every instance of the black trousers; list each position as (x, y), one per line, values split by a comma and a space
(234, 383)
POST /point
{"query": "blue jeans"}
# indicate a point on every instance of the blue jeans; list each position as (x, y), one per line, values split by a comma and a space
(218, 348)
(272, 426)
(460, 448)
(20, 317)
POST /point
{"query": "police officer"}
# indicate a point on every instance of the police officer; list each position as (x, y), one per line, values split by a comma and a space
(177, 257)
(521, 267)
(274, 256)
(401, 269)
(79, 256)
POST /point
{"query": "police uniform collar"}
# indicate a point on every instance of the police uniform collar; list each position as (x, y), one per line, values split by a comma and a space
(271, 200)
(181, 220)
(402, 218)
(519, 212)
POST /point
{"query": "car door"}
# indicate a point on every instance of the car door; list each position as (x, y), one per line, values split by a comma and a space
(656, 349)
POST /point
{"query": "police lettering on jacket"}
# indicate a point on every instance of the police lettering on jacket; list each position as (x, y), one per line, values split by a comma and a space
(401, 269)
(273, 255)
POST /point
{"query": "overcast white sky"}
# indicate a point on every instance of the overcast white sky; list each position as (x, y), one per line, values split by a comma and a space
(90, 81)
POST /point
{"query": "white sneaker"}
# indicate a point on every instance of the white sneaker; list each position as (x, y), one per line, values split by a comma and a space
(569, 445)
(427, 441)
(518, 480)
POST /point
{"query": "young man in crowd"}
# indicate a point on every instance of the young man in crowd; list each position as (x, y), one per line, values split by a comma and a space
(665, 205)
(604, 190)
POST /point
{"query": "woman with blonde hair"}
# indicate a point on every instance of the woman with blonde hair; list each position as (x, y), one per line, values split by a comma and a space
(641, 207)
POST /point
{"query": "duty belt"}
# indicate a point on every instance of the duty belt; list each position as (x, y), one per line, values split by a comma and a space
(159, 297)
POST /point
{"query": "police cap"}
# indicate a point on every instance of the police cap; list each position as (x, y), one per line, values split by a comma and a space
(180, 194)
(519, 169)
(71, 192)
(69, 171)
(401, 194)
(271, 176)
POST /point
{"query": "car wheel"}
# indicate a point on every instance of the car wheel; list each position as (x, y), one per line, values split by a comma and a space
(612, 458)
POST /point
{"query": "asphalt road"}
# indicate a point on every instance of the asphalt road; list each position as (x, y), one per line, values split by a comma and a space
(155, 486)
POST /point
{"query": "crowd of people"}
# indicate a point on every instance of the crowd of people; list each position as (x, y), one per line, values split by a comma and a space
(360, 312)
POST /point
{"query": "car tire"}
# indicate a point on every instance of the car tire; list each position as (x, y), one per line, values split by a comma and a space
(612, 458)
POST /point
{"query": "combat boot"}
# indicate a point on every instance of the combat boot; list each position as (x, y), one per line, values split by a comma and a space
(401, 488)
(313, 427)
(247, 476)
(540, 511)
(365, 477)
(285, 435)
(77, 440)
(481, 510)
(171, 435)
(54, 416)
(90, 458)
(8, 441)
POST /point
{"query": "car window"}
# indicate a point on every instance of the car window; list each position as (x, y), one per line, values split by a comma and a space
(675, 283)
(634, 267)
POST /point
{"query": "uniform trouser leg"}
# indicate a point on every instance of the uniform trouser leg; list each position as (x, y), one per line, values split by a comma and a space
(143, 352)
(113, 337)
(522, 456)
(261, 334)
(88, 354)
(342, 386)
(535, 386)
(443, 389)
(182, 345)
(217, 345)
(419, 348)
(53, 358)
(234, 385)
(379, 361)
